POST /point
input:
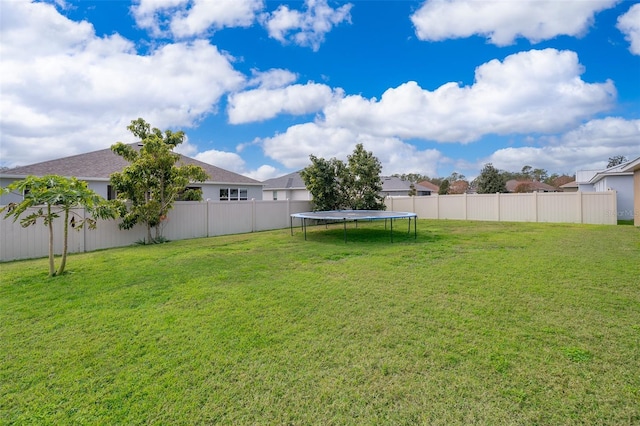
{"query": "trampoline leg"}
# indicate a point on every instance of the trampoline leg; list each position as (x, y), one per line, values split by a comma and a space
(391, 229)
(304, 227)
(345, 230)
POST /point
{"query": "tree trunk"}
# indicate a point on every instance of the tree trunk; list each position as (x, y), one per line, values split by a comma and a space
(52, 268)
(65, 245)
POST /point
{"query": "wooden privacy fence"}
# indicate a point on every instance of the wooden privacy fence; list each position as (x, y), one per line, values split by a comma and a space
(206, 219)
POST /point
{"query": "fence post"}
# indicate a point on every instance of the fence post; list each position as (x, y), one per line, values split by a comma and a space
(498, 202)
(253, 215)
(535, 203)
(466, 209)
(580, 201)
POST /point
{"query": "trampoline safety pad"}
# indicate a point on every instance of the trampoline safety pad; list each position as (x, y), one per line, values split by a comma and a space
(345, 216)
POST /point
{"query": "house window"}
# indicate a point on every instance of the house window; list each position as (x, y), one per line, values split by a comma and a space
(111, 193)
(275, 195)
(233, 194)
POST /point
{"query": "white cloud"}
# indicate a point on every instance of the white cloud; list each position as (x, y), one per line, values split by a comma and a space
(536, 91)
(233, 162)
(629, 24)
(504, 21)
(588, 146)
(264, 172)
(306, 28)
(150, 14)
(65, 88)
(272, 79)
(223, 159)
(261, 104)
(294, 147)
(187, 18)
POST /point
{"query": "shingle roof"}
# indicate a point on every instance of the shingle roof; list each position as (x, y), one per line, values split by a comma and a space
(394, 183)
(290, 181)
(99, 165)
(429, 185)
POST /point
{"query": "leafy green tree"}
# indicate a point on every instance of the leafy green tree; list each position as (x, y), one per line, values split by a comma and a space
(58, 195)
(325, 179)
(335, 185)
(364, 182)
(152, 181)
(616, 161)
(455, 176)
(411, 177)
(539, 175)
(490, 180)
(444, 187)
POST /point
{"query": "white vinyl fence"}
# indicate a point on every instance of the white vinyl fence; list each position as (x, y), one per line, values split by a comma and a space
(189, 219)
(206, 219)
(559, 207)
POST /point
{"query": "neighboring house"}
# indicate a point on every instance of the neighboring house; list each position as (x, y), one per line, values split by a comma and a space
(393, 186)
(430, 186)
(634, 167)
(287, 187)
(618, 178)
(96, 167)
(514, 185)
(292, 187)
(570, 187)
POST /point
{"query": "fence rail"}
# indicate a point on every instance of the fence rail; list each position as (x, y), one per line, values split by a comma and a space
(206, 219)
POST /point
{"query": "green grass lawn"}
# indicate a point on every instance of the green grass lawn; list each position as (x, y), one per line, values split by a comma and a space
(472, 322)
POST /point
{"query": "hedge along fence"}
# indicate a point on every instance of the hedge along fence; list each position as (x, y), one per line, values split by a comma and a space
(558, 207)
(188, 219)
(207, 219)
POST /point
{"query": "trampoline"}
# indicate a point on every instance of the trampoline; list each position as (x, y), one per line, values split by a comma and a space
(345, 216)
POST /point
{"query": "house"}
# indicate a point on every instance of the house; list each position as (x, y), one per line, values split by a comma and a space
(634, 166)
(514, 185)
(433, 188)
(287, 187)
(96, 167)
(570, 186)
(618, 178)
(393, 186)
(292, 187)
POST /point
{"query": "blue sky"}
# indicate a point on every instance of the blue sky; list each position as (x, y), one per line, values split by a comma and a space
(430, 87)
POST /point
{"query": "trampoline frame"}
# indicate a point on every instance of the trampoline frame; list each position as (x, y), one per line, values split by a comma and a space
(345, 216)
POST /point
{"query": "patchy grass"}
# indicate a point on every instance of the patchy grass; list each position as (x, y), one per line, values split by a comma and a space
(472, 322)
